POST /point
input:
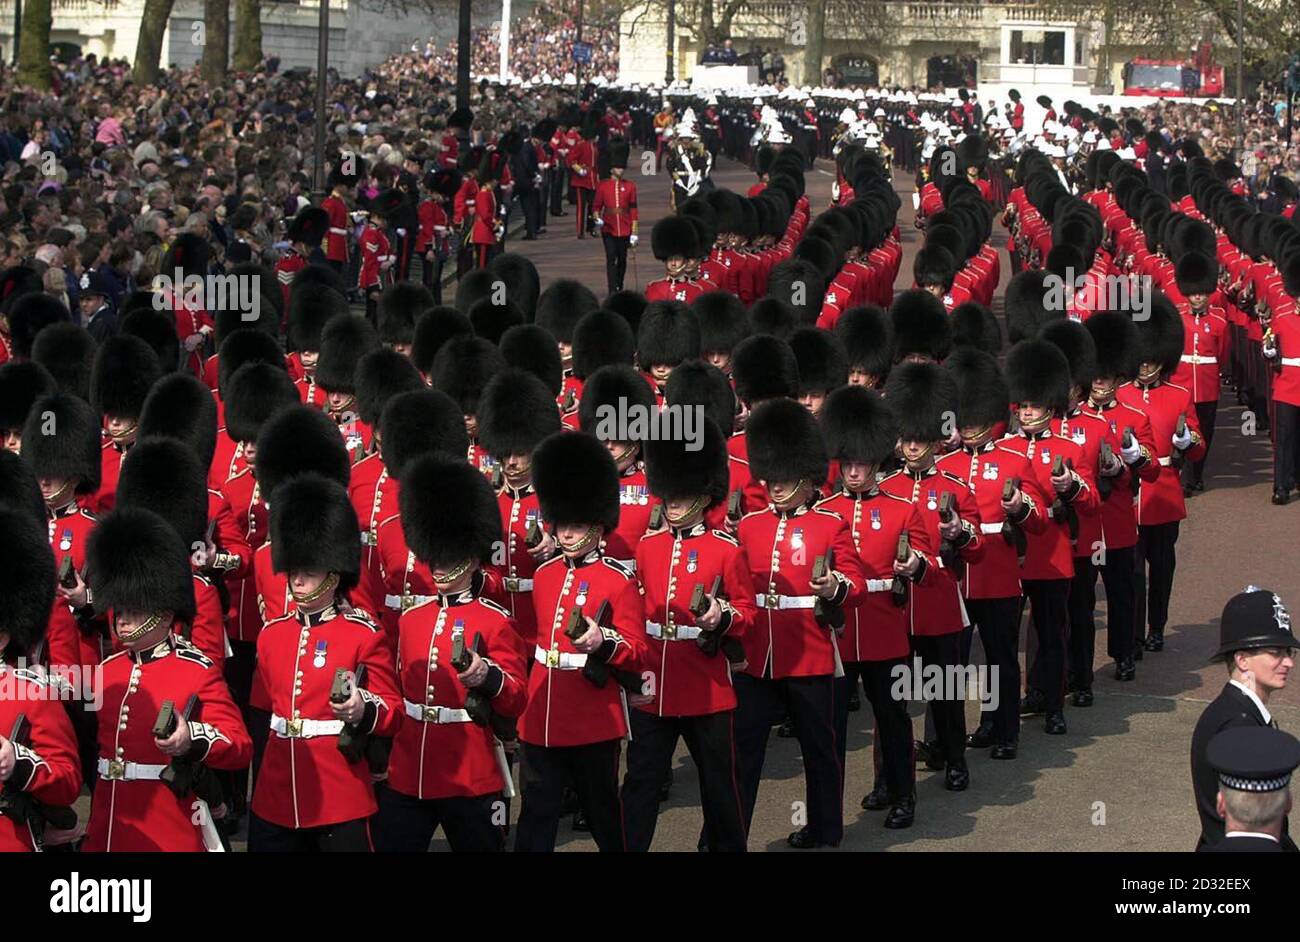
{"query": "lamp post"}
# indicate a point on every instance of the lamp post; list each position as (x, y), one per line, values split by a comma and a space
(670, 68)
(504, 65)
(322, 64)
(1241, 91)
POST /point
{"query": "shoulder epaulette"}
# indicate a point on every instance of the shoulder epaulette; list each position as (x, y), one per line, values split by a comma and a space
(360, 618)
(186, 651)
(618, 567)
(725, 537)
(493, 605)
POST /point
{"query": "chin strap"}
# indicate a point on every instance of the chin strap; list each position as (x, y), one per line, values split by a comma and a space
(146, 626)
(328, 584)
(455, 574)
(691, 511)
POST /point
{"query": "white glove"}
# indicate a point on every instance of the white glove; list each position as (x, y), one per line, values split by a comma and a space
(598, 222)
(632, 239)
(402, 233)
(1184, 441)
(1270, 350)
(1132, 453)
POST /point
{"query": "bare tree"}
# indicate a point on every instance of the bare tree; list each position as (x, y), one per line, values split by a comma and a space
(34, 45)
(216, 40)
(247, 54)
(148, 48)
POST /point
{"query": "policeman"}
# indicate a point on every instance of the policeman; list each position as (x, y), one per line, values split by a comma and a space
(1254, 767)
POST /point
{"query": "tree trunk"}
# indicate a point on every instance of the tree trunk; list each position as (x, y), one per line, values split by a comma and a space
(247, 54)
(34, 45)
(812, 63)
(216, 40)
(1103, 59)
(463, 40)
(148, 48)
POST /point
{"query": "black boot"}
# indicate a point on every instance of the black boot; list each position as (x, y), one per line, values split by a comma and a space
(878, 798)
(902, 813)
(981, 738)
(1082, 697)
(803, 839)
(1125, 669)
(928, 752)
(1055, 723)
(957, 777)
(1155, 641)
(855, 702)
(1032, 704)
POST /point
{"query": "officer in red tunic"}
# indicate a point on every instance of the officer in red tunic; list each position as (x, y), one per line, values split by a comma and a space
(615, 214)
(991, 587)
(923, 399)
(344, 341)
(43, 765)
(688, 692)
(1205, 346)
(377, 254)
(61, 444)
(342, 182)
(582, 172)
(792, 651)
(1281, 349)
(515, 414)
(447, 766)
(861, 435)
(1116, 341)
(572, 728)
(1161, 505)
(306, 232)
(140, 572)
(617, 406)
(125, 368)
(315, 543)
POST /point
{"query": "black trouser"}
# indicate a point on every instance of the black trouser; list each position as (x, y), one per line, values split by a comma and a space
(558, 176)
(372, 303)
(584, 197)
(998, 621)
(336, 264)
(811, 702)
(85, 724)
(405, 246)
(615, 261)
(1049, 614)
(1082, 608)
(406, 824)
(711, 741)
(1117, 577)
(593, 772)
(893, 727)
(530, 204)
(1155, 552)
(431, 275)
(1206, 414)
(239, 669)
(948, 713)
(259, 731)
(466, 254)
(1286, 445)
(342, 838)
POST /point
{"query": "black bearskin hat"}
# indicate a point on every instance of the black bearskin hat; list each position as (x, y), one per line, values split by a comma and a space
(785, 443)
(516, 412)
(867, 335)
(189, 254)
(68, 352)
(921, 326)
(449, 513)
(611, 393)
(1025, 304)
(314, 527)
(343, 342)
(973, 325)
(562, 305)
(21, 384)
(26, 581)
(697, 383)
(628, 305)
(1197, 273)
(923, 398)
(669, 333)
(165, 476)
(858, 426)
(381, 374)
(158, 330)
(309, 226)
(295, 440)
(1117, 344)
(125, 370)
(433, 330)
(19, 489)
(253, 394)
(772, 317)
(982, 395)
(522, 283)
(244, 347)
(179, 406)
(136, 561)
(28, 314)
(799, 284)
(61, 440)
(463, 367)
(602, 338)
(1039, 373)
(400, 307)
(1162, 334)
(576, 481)
(675, 470)
(721, 316)
(491, 320)
(530, 348)
(934, 265)
(311, 307)
(417, 423)
(823, 364)
(1080, 352)
(764, 367)
(675, 235)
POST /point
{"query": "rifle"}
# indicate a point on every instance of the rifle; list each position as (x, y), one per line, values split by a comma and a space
(657, 517)
(1011, 531)
(67, 574)
(1104, 484)
(498, 478)
(25, 808)
(898, 588)
(827, 613)
(533, 535)
(352, 740)
(947, 513)
(733, 506)
(477, 703)
(1176, 460)
(1060, 509)
(596, 670)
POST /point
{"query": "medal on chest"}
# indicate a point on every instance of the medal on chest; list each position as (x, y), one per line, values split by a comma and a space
(581, 598)
(319, 660)
(65, 540)
(796, 538)
(692, 561)
(1079, 435)
(990, 471)
(875, 518)
(1045, 456)
(932, 500)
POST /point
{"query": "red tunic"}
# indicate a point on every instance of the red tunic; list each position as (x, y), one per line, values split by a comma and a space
(47, 767)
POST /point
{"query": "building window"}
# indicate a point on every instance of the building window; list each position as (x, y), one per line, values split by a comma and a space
(1038, 47)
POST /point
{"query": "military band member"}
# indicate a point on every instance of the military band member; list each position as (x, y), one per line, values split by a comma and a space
(571, 729)
(315, 544)
(792, 651)
(139, 572)
(688, 693)
(43, 766)
(447, 766)
(305, 233)
(860, 435)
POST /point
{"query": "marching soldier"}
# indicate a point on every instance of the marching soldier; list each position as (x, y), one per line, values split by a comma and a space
(792, 651)
(39, 771)
(315, 544)
(615, 214)
(462, 369)
(310, 309)
(1205, 346)
(688, 692)
(447, 767)
(861, 435)
(571, 728)
(581, 161)
(1038, 375)
(139, 570)
(1281, 349)
(674, 240)
(923, 399)
(125, 369)
(344, 341)
(516, 414)
(377, 255)
(342, 180)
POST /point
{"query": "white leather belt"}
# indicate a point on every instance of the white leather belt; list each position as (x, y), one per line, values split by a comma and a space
(1197, 359)
(879, 585)
(338, 231)
(304, 729)
(673, 632)
(395, 602)
(435, 714)
(560, 660)
(1165, 461)
(1291, 361)
(993, 527)
(114, 770)
(772, 600)
(513, 584)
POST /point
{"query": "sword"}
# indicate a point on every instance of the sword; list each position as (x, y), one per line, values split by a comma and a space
(636, 275)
